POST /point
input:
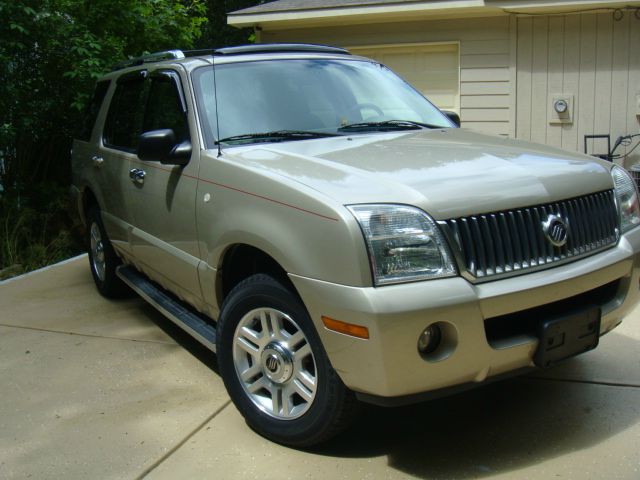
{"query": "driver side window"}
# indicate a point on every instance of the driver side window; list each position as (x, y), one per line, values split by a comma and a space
(166, 107)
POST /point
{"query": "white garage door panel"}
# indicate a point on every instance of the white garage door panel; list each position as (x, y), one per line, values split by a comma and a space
(434, 70)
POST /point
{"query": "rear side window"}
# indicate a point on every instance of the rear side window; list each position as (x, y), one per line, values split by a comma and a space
(92, 110)
(166, 105)
(124, 120)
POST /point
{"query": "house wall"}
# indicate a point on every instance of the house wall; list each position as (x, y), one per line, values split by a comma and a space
(511, 66)
(590, 56)
(485, 87)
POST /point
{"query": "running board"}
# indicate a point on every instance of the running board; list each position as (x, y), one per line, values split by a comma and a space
(193, 323)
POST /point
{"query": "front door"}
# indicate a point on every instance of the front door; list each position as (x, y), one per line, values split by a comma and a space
(162, 198)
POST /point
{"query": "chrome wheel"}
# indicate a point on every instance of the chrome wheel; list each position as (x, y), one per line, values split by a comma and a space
(274, 363)
(97, 251)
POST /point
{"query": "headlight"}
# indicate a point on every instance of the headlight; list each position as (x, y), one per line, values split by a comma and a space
(404, 244)
(627, 199)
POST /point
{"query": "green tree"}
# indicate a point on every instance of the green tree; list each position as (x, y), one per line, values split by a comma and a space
(217, 33)
(51, 52)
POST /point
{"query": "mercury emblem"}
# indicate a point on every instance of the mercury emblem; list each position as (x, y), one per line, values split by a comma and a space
(556, 230)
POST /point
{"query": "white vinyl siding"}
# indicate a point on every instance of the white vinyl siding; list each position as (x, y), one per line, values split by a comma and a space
(484, 59)
(591, 56)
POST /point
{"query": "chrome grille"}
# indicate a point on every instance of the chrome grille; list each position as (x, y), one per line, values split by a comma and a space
(514, 240)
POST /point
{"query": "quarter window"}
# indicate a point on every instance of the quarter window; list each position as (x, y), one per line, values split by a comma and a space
(93, 108)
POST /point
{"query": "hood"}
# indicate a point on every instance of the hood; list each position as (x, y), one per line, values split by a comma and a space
(447, 172)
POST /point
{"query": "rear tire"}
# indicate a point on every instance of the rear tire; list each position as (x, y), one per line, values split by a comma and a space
(103, 259)
(275, 368)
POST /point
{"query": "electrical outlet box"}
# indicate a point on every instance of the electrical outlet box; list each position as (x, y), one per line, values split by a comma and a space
(560, 108)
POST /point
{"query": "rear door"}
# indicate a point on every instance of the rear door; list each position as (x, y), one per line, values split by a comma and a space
(117, 148)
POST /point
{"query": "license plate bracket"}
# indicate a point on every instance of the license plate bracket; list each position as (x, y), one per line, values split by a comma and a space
(566, 336)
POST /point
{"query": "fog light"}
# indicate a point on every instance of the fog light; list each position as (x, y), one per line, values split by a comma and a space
(429, 339)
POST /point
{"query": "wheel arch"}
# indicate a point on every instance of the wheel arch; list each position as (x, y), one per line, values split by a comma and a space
(240, 261)
(87, 200)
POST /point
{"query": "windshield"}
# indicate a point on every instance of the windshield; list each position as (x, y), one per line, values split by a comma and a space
(276, 100)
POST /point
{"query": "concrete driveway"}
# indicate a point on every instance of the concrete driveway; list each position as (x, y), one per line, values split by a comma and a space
(92, 388)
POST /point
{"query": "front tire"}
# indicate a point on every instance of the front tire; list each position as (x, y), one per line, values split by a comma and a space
(275, 368)
(103, 259)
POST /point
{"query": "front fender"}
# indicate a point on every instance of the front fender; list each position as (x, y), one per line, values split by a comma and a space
(304, 231)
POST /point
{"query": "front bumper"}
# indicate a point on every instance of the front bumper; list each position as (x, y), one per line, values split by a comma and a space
(388, 364)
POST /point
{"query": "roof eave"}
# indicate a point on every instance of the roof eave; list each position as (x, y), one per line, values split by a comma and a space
(559, 6)
(398, 12)
(361, 14)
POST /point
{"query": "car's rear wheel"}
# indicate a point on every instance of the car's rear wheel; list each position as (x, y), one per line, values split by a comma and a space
(275, 368)
(103, 259)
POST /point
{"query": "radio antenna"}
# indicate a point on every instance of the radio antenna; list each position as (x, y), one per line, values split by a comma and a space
(215, 97)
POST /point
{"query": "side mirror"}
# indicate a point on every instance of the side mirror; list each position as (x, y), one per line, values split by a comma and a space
(161, 145)
(453, 116)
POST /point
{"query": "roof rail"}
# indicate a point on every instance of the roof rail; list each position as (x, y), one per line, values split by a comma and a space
(243, 49)
(150, 58)
(280, 47)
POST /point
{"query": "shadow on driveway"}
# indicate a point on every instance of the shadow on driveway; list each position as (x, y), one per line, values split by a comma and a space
(502, 427)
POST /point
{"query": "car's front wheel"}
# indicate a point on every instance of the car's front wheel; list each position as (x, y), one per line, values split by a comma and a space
(275, 368)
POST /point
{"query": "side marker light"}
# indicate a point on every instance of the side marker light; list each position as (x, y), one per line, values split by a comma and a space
(347, 328)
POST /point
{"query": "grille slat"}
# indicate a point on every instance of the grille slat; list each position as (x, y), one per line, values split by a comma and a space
(582, 235)
(587, 224)
(522, 231)
(605, 212)
(595, 220)
(508, 244)
(480, 247)
(532, 237)
(465, 236)
(501, 264)
(517, 246)
(514, 240)
(610, 215)
(562, 211)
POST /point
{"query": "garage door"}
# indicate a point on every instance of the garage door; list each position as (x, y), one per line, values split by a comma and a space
(433, 69)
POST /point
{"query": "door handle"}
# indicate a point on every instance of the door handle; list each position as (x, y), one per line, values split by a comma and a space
(137, 175)
(97, 160)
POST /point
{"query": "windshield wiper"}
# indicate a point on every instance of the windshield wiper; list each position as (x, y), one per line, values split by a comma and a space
(276, 136)
(386, 126)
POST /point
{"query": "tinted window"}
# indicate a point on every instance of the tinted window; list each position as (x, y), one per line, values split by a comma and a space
(165, 107)
(92, 110)
(124, 120)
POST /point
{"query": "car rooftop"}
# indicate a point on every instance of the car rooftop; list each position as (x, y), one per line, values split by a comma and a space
(243, 50)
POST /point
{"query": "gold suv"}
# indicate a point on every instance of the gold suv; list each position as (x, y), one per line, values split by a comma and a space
(335, 238)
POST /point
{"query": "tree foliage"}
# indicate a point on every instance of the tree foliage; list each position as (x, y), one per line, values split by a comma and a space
(216, 33)
(51, 53)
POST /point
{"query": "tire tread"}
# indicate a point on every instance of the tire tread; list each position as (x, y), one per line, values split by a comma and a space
(344, 406)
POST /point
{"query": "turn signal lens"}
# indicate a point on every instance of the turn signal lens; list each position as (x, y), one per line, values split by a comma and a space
(347, 328)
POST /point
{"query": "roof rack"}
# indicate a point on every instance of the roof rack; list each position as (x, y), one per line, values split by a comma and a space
(150, 58)
(241, 50)
(280, 48)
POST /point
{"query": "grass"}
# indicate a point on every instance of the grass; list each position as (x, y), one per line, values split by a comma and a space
(37, 229)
